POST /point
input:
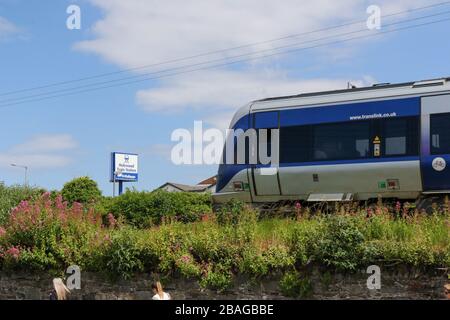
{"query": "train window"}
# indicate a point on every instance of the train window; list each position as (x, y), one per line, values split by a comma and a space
(400, 136)
(440, 133)
(295, 144)
(350, 140)
(341, 141)
(395, 137)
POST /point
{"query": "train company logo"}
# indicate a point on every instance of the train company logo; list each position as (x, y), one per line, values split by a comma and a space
(439, 164)
(234, 146)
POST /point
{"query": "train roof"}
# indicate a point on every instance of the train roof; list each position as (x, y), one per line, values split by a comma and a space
(378, 86)
(382, 91)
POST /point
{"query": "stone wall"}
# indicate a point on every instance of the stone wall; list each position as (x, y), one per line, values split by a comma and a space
(397, 283)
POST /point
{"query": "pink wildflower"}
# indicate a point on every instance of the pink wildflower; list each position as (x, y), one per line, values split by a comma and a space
(13, 252)
(398, 206)
(185, 258)
(112, 220)
(60, 204)
(298, 207)
(77, 207)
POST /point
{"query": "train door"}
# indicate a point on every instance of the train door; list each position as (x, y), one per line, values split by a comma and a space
(435, 143)
(265, 177)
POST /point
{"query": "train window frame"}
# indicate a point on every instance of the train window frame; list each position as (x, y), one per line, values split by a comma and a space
(309, 142)
(307, 130)
(412, 136)
(376, 127)
(442, 150)
(346, 124)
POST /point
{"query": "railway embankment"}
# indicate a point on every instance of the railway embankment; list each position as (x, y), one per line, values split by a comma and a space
(376, 252)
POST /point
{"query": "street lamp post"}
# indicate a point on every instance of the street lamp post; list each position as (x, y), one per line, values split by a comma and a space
(26, 172)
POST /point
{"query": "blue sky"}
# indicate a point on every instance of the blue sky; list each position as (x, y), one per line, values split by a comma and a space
(70, 136)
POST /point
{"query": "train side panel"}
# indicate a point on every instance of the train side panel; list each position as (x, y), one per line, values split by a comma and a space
(399, 136)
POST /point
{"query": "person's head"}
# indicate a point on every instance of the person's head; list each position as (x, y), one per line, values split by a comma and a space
(60, 288)
(157, 289)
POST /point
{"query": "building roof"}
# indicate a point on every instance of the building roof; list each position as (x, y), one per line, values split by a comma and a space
(200, 187)
(185, 187)
(212, 181)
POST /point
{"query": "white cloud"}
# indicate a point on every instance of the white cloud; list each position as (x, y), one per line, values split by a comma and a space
(7, 28)
(224, 90)
(141, 32)
(46, 143)
(43, 151)
(219, 120)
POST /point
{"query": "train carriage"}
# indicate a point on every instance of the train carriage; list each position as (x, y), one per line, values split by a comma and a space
(388, 141)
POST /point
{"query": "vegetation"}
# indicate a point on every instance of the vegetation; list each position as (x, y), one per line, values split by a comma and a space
(176, 234)
(12, 196)
(144, 209)
(294, 285)
(83, 190)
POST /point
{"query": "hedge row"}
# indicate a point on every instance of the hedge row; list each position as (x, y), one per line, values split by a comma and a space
(144, 209)
(140, 209)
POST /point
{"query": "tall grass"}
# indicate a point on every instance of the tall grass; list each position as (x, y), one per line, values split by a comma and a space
(11, 196)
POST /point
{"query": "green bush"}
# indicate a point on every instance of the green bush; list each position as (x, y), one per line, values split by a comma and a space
(187, 266)
(341, 243)
(230, 212)
(144, 209)
(121, 258)
(259, 263)
(217, 277)
(302, 238)
(13, 195)
(83, 190)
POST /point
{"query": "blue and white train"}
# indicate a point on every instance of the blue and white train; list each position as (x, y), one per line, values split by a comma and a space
(388, 141)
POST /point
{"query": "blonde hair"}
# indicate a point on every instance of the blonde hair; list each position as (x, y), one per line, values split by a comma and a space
(159, 290)
(60, 289)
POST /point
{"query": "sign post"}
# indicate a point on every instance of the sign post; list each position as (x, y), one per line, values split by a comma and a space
(124, 168)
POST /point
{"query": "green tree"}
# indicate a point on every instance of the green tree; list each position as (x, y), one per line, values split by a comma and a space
(82, 189)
